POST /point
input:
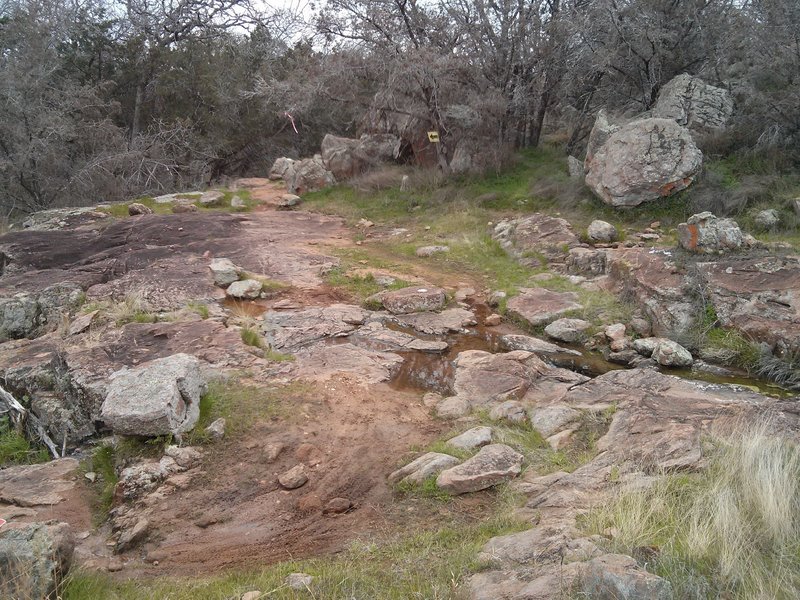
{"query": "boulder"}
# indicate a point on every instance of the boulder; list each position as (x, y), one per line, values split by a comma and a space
(224, 271)
(493, 464)
(137, 208)
(704, 233)
(472, 438)
(644, 160)
(297, 328)
(531, 344)
(289, 201)
(282, 168)
(548, 420)
(245, 289)
(413, 299)
(159, 397)
(619, 577)
(601, 231)
(646, 346)
(448, 321)
(568, 330)
(426, 466)
(453, 408)
(767, 219)
(38, 485)
(347, 157)
(598, 136)
(539, 306)
(672, 354)
(510, 410)
(693, 103)
(184, 207)
(34, 559)
(217, 429)
(210, 198)
(337, 506)
(18, 316)
(586, 261)
(308, 175)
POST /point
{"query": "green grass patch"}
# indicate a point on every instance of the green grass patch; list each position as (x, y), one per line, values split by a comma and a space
(268, 286)
(360, 287)
(429, 564)
(276, 356)
(252, 338)
(103, 464)
(200, 308)
(16, 449)
(731, 531)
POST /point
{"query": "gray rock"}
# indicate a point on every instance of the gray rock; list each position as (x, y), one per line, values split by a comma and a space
(413, 299)
(510, 410)
(693, 103)
(137, 208)
(224, 271)
(646, 346)
(130, 537)
(38, 485)
(237, 203)
(156, 398)
(294, 478)
(426, 466)
(767, 219)
(643, 161)
(587, 261)
(348, 157)
(619, 577)
(210, 198)
(82, 323)
(282, 168)
(448, 321)
(289, 201)
(246, 288)
(426, 251)
(705, 233)
(34, 559)
(602, 231)
(299, 581)
(568, 330)
(376, 335)
(493, 464)
(18, 316)
(453, 408)
(294, 329)
(217, 429)
(549, 420)
(575, 167)
(672, 354)
(531, 344)
(496, 297)
(472, 438)
(308, 175)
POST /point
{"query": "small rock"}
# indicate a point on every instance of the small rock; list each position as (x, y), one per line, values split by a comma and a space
(615, 332)
(616, 576)
(767, 219)
(705, 233)
(132, 536)
(217, 429)
(293, 478)
(493, 464)
(337, 506)
(207, 520)
(237, 203)
(247, 288)
(289, 200)
(472, 438)
(495, 298)
(272, 451)
(426, 251)
(640, 326)
(82, 323)
(420, 469)
(184, 208)
(510, 410)
(223, 271)
(254, 595)
(568, 330)
(602, 231)
(115, 565)
(365, 223)
(137, 208)
(672, 354)
(453, 408)
(91, 476)
(549, 420)
(299, 581)
(463, 293)
(646, 346)
(493, 320)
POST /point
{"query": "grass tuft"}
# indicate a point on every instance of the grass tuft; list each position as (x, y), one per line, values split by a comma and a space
(16, 449)
(732, 531)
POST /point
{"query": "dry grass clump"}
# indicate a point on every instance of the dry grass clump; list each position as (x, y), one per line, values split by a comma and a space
(732, 531)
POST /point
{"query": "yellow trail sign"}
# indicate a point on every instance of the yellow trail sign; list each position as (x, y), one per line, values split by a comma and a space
(433, 137)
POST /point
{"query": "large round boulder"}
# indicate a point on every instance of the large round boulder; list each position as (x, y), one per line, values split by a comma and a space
(642, 161)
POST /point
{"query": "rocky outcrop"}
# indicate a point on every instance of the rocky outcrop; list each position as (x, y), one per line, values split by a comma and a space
(157, 398)
(346, 157)
(28, 314)
(619, 577)
(643, 161)
(693, 103)
(282, 168)
(704, 233)
(472, 438)
(34, 559)
(294, 329)
(412, 299)
(601, 231)
(38, 485)
(568, 330)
